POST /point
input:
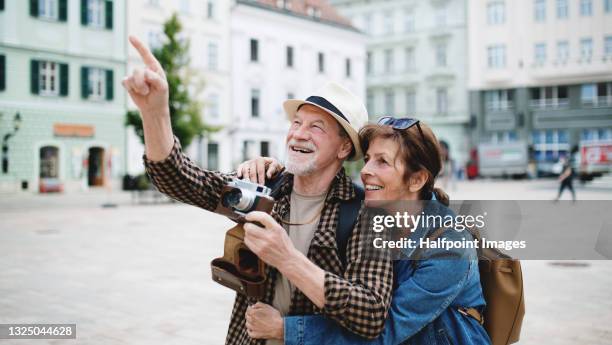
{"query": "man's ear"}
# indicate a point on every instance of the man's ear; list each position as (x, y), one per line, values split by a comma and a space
(345, 148)
(417, 181)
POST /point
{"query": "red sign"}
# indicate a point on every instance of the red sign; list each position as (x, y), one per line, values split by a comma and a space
(597, 153)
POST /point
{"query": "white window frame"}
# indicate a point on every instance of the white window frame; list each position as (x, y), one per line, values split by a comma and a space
(390, 102)
(563, 51)
(213, 56)
(210, 9)
(562, 9)
(496, 56)
(500, 100)
(539, 10)
(409, 22)
(608, 46)
(213, 105)
(96, 83)
(48, 9)
(586, 49)
(539, 53)
(496, 12)
(586, 8)
(411, 100)
(442, 101)
(388, 53)
(410, 58)
(96, 13)
(388, 26)
(49, 75)
(441, 49)
(185, 7)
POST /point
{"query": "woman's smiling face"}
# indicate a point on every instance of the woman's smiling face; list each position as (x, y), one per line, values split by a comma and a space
(383, 173)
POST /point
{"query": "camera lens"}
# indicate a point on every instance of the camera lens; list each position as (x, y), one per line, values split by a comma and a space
(239, 199)
(232, 198)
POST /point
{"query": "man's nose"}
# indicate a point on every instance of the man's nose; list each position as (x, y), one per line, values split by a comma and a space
(301, 133)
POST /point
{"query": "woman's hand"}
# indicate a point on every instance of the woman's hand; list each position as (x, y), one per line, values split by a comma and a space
(264, 322)
(270, 243)
(258, 169)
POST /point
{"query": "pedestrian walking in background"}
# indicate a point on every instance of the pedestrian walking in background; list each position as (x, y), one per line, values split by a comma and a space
(566, 178)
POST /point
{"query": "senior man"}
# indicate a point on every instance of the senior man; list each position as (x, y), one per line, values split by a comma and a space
(305, 275)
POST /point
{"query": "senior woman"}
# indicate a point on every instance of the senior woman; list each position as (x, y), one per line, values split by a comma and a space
(437, 297)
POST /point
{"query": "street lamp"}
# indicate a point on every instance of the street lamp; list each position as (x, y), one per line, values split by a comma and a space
(5, 140)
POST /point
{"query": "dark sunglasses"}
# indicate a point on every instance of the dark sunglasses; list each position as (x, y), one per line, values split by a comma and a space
(400, 124)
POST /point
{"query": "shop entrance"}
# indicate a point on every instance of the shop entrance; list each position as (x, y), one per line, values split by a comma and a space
(95, 167)
(48, 170)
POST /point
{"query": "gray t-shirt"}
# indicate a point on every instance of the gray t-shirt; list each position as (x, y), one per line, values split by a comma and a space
(303, 209)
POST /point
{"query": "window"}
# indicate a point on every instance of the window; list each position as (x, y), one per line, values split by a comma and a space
(321, 62)
(608, 46)
(154, 39)
(210, 9)
(367, 23)
(496, 56)
(539, 53)
(264, 149)
(313, 11)
(212, 158)
(388, 61)
(549, 97)
(441, 17)
(369, 63)
(289, 56)
(388, 22)
(213, 105)
(389, 103)
(563, 51)
(370, 102)
(411, 102)
(347, 67)
(285, 4)
(441, 101)
(2, 72)
(95, 13)
(213, 56)
(562, 9)
(550, 144)
(254, 102)
(96, 83)
(49, 78)
(496, 12)
(539, 8)
(185, 7)
(410, 60)
(290, 95)
(409, 20)
(254, 50)
(596, 134)
(48, 9)
(497, 100)
(586, 48)
(608, 6)
(597, 95)
(248, 149)
(586, 7)
(440, 54)
(154, 3)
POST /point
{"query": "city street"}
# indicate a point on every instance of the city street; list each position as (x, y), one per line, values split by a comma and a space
(139, 274)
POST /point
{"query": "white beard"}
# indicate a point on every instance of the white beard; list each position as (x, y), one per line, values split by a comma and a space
(300, 167)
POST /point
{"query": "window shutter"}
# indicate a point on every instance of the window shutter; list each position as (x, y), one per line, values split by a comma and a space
(63, 79)
(34, 80)
(109, 85)
(84, 82)
(34, 8)
(63, 10)
(108, 14)
(84, 12)
(2, 72)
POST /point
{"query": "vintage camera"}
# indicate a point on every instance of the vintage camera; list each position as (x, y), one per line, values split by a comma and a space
(240, 269)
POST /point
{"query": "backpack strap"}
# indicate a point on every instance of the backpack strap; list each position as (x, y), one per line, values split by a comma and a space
(349, 210)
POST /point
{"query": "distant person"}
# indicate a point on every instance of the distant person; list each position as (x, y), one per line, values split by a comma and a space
(446, 174)
(566, 178)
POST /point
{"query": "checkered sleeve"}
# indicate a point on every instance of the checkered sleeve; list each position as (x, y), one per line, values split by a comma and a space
(180, 178)
(360, 299)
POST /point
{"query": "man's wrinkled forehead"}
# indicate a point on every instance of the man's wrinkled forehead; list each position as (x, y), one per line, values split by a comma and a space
(311, 113)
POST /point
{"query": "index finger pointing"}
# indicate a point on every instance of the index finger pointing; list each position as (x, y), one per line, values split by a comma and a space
(145, 54)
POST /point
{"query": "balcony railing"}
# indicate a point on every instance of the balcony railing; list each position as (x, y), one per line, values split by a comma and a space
(499, 105)
(597, 102)
(549, 103)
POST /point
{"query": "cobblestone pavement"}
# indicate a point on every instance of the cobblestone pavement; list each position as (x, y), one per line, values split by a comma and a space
(139, 274)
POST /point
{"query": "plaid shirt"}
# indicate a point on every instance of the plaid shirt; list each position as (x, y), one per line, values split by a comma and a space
(357, 296)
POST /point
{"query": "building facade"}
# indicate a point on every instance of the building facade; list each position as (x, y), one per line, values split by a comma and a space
(541, 74)
(416, 63)
(60, 67)
(282, 50)
(206, 26)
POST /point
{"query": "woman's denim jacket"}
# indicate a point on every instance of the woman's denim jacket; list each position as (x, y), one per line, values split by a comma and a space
(424, 309)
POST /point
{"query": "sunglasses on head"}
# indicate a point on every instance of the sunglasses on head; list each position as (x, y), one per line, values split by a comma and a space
(400, 124)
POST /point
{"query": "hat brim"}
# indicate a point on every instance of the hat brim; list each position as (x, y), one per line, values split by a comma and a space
(291, 107)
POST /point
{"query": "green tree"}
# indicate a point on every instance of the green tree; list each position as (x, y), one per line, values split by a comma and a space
(185, 112)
